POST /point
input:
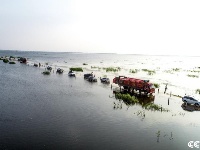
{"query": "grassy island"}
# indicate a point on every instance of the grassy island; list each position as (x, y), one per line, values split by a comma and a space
(5, 60)
(128, 99)
(11, 62)
(46, 73)
(76, 69)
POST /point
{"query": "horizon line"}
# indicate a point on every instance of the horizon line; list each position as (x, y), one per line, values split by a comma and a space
(101, 53)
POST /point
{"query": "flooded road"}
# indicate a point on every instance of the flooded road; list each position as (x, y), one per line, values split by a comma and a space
(61, 112)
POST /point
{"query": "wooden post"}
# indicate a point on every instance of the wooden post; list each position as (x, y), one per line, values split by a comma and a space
(168, 101)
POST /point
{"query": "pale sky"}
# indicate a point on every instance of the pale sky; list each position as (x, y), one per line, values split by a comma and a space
(107, 26)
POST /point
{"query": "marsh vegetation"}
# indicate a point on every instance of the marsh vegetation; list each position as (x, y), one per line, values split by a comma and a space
(156, 85)
(5, 60)
(11, 62)
(46, 73)
(197, 91)
(127, 98)
(112, 69)
(131, 100)
(149, 72)
(76, 69)
(193, 76)
(134, 70)
(95, 67)
(176, 69)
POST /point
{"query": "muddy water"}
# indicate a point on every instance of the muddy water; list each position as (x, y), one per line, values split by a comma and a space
(59, 112)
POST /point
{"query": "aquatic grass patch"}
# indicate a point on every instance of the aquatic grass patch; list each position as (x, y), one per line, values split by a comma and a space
(175, 95)
(145, 70)
(127, 98)
(46, 73)
(117, 106)
(197, 91)
(112, 69)
(172, 70)
(5, 60)
(154, 107)
(149, 72)
(140, 113)
(119, 68)
(175, 69)
(12, 62)
(193, 76)
(95, 67)
(134, 70)
(168, 71)
(156, 85)
(76, 69)
(196, 71)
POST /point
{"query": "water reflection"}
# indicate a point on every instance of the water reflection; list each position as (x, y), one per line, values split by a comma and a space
(143, 100)
(188, 107)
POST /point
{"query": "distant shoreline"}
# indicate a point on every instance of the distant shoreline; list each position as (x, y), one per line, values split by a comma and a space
(101, 53)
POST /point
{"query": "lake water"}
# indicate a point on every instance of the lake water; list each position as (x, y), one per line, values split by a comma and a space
(59, 112)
